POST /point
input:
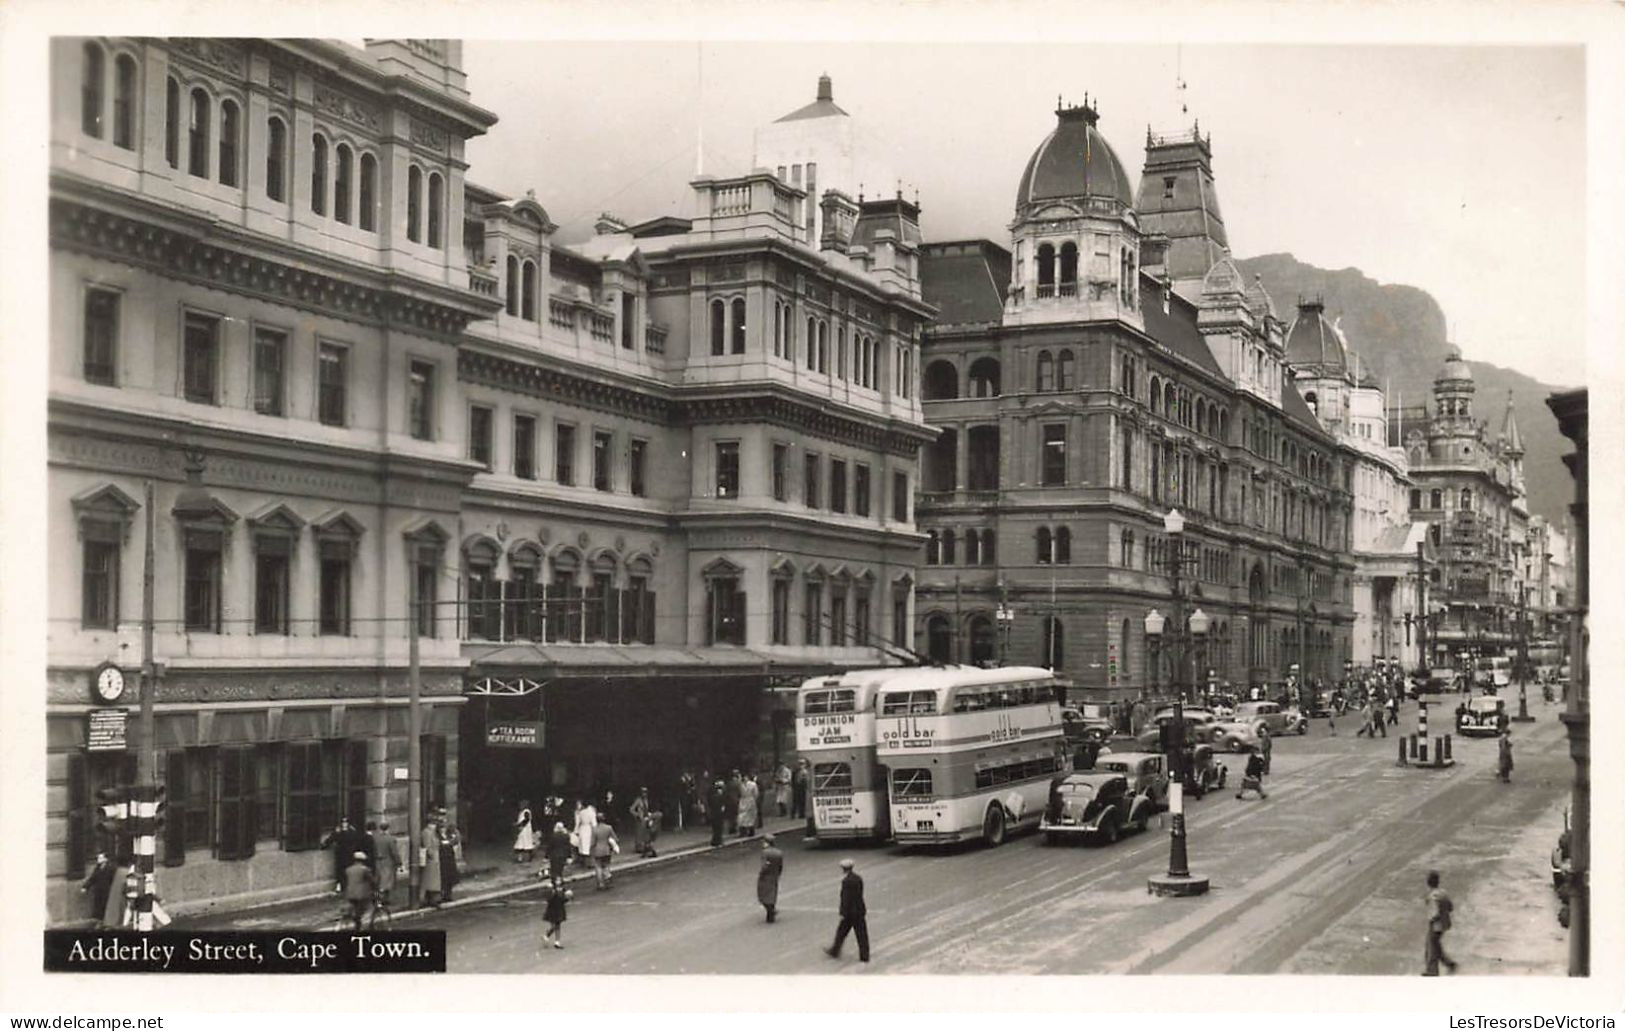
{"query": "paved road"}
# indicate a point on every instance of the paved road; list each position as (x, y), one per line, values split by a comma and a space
(1326, 876)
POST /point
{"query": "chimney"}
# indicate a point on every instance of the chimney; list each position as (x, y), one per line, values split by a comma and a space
(826, 91)
(608, 225)
(839, 216)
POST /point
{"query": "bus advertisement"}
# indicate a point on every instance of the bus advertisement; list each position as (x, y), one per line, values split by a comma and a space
(835, 733)
(969, 752)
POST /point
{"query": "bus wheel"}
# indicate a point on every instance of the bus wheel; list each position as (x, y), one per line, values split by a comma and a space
(993, 825)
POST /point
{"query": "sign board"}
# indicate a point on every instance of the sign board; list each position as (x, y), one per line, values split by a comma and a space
(514, 734)
(107, 730)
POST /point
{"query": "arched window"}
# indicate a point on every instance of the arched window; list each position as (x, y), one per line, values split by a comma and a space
(933, 548)
(172, 123)
(1069, 269)
(1064, 379)
(1466, 499)
(841, 364)
(437, 204)
(229, 130)
(949, 548)
(90, 90)
(368, 202)
(527, 295)
(1416, 499)
(513, 285)
(941, 381)
(1054, 644)
(1436, 499)
(318, 174)
(414, 204)
(1063, 546)
(1201, 414)
(1122, 648)
(812, 343)
(983, 646)
(1046, 270)
(276, 158)
(1156, 394)
(1128, 459)
(738, 334)
(342, 160)
(1042, 546)
(1046, 372)
(938, 639)
(1170, 404)
(719, 327)
(984, 377)
(124, 101)
(198, 139)
(823, 338)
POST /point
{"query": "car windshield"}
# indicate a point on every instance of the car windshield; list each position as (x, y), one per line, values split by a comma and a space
(1080, 788)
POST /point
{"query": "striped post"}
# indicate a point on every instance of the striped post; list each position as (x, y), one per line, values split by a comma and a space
(1422, 720)
(144, 839)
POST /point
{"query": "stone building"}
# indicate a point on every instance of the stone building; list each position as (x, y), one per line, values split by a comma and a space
(1112, 364)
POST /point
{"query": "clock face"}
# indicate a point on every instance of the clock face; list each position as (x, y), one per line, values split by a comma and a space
(109, 683)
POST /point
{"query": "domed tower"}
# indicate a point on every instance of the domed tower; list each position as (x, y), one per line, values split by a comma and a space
(1453, 430)
(1317, 354)
(1075, 238)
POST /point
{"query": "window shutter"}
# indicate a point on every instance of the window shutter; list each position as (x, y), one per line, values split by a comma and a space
(647, 617)
(175, 823)
(327, 807)
(738, 626)
(79, 817)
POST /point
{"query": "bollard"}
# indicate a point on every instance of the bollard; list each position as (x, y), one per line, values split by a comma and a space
(1412, 739)
(1422, 752)
(1438, 751)
(1402, 751)
(1446, 746)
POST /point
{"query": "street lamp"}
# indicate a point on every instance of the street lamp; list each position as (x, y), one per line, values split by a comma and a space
(1178, 880)
(1523, 662)
(1005, 616)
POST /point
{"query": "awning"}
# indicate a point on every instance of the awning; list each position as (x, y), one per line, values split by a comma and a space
(546, 662)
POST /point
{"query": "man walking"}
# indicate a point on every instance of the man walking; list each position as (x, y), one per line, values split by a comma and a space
(1266, 748)
(798, 785)
(716, 807)
(854, 914)
(1439, 910)
(1504, 757)
(1253, 778)
(767, 878)
(386, 854)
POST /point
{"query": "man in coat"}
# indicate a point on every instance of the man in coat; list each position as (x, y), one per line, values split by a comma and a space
(100, 885)
(1504, 757)
(730, 801)
(767, 878)
(799, 783)
(386, 855)
(854, 914)
(429, 862)
(346, 839)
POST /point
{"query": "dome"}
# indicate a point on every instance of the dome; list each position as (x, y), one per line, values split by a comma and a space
(1312, 340)
(1454, 370)
(1074, 161)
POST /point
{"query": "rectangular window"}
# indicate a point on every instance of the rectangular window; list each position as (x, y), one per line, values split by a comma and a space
(837, 485)
(335, 591)
(636, 456)
(781, 610)
(524, 446)
(268, 792)
(99, 609)
(332, 384)
(727, 452)
(603, 449)
(899, 617)
(202, 582)
(600, 608)
(911, 783)
(837, 617)
(832, 777)
(899, 497)
(271, 586)
(101, 337)
(812, 614)
(199, 358)
(564, 454)
(725, 611)
(428, 592)
(270, 347)
(781, 472)
(809, 480)
(479, 435)
(313, 772)
(860, 490)
(860, 619)
(235, 806)
(420, 400)
(1054, 456)
(484, 598)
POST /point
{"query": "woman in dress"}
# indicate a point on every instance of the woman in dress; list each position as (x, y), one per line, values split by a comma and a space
(749, 807)
(449, 840)
(429, 862)
(524, 842)
(586, 820)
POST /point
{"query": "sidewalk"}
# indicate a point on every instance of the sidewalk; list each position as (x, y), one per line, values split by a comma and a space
(489, 872)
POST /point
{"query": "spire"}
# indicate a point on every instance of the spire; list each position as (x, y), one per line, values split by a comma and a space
(826, 89)
(1512, 440)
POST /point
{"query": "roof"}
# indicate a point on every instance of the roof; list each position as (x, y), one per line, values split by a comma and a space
(1074, 161)
(1454, 369)
(965, 280)
(822, 107)
(1296, 409)
(900, 216)
(1511, 439)
(1175, 328)
(1312, 341)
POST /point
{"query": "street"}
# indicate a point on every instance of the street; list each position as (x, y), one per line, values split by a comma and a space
(1324, 877)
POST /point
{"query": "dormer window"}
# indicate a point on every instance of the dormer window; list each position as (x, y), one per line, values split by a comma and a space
(1168, 188)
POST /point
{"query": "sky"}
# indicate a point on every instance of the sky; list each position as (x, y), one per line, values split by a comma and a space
(1457, 169)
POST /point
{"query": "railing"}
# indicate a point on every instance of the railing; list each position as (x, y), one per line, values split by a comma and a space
(654, 339)
(730, 200)
(1046, 290)
(560, 314)
(601, 326)
(481, 281)
(1069, 289)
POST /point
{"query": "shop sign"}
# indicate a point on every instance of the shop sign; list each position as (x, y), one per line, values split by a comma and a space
(107, 730)
(514, 734)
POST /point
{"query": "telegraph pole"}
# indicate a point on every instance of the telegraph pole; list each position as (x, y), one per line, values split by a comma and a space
(147, 758)
(414, 727)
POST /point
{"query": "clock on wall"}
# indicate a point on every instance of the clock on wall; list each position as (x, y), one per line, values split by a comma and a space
(107, 683)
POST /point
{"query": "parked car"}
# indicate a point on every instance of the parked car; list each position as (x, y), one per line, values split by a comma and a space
(1094, 804)
(1147, 772)
(1275, 720)
(1481, 716)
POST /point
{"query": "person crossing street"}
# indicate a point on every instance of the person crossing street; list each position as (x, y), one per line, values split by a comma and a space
(1253, 778)
(767, 878)
(854, 914)
(1439, 909)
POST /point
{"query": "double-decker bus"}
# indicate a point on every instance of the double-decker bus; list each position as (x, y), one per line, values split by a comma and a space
(969, 752)
(835, 733)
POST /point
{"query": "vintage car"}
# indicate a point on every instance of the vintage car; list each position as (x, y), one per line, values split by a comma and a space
(1147, 772)
(1087, 723)
(1199, 727)
(1237, 735)
(1207, 772)
(1098, 803)
(1481, 716)
(1275, 719)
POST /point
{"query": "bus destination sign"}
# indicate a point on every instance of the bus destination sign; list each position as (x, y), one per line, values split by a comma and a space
(835, 729)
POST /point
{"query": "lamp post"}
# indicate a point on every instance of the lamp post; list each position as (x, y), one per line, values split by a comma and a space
(1004, 615)
(1523, 662)
(1178, 880)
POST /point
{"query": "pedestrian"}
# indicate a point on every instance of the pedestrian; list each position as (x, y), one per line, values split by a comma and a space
(1393, 709)
(604, 847)
(360, 884)
(1504, 757)
(345, 839)
(386, 854)
(798, 789)
(687, 797)
(586, 820)
(429, 862)
(749, 808)
(1365, 725)
(606, 808)
(451, 841)
(557, 898)
(730, 801)
(645, 822)
(100, 885)
(781, 789)
(524, 840)
(558, 853)
(1439, 908)
(1252, 779)
(767, 878)
(1266, 748)
(854, 914)
(717, 806)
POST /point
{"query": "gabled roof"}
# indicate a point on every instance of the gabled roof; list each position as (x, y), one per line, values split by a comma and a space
(1175, 328)
(965, 280)
(1297, 409)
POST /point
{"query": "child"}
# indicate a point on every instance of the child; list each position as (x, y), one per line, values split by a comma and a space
(359, 886)
(554, 915)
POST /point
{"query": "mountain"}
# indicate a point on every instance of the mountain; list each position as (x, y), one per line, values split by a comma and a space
(1399, 333)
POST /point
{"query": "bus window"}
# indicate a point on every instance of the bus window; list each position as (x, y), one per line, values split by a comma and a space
(911, 783)
(816, 703)
(844, 700)
(832, 777)
(909, 703)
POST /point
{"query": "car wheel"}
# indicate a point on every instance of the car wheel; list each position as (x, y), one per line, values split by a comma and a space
(993, 825)
(1236, 745)
(1303, 728)
(1111, 830)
